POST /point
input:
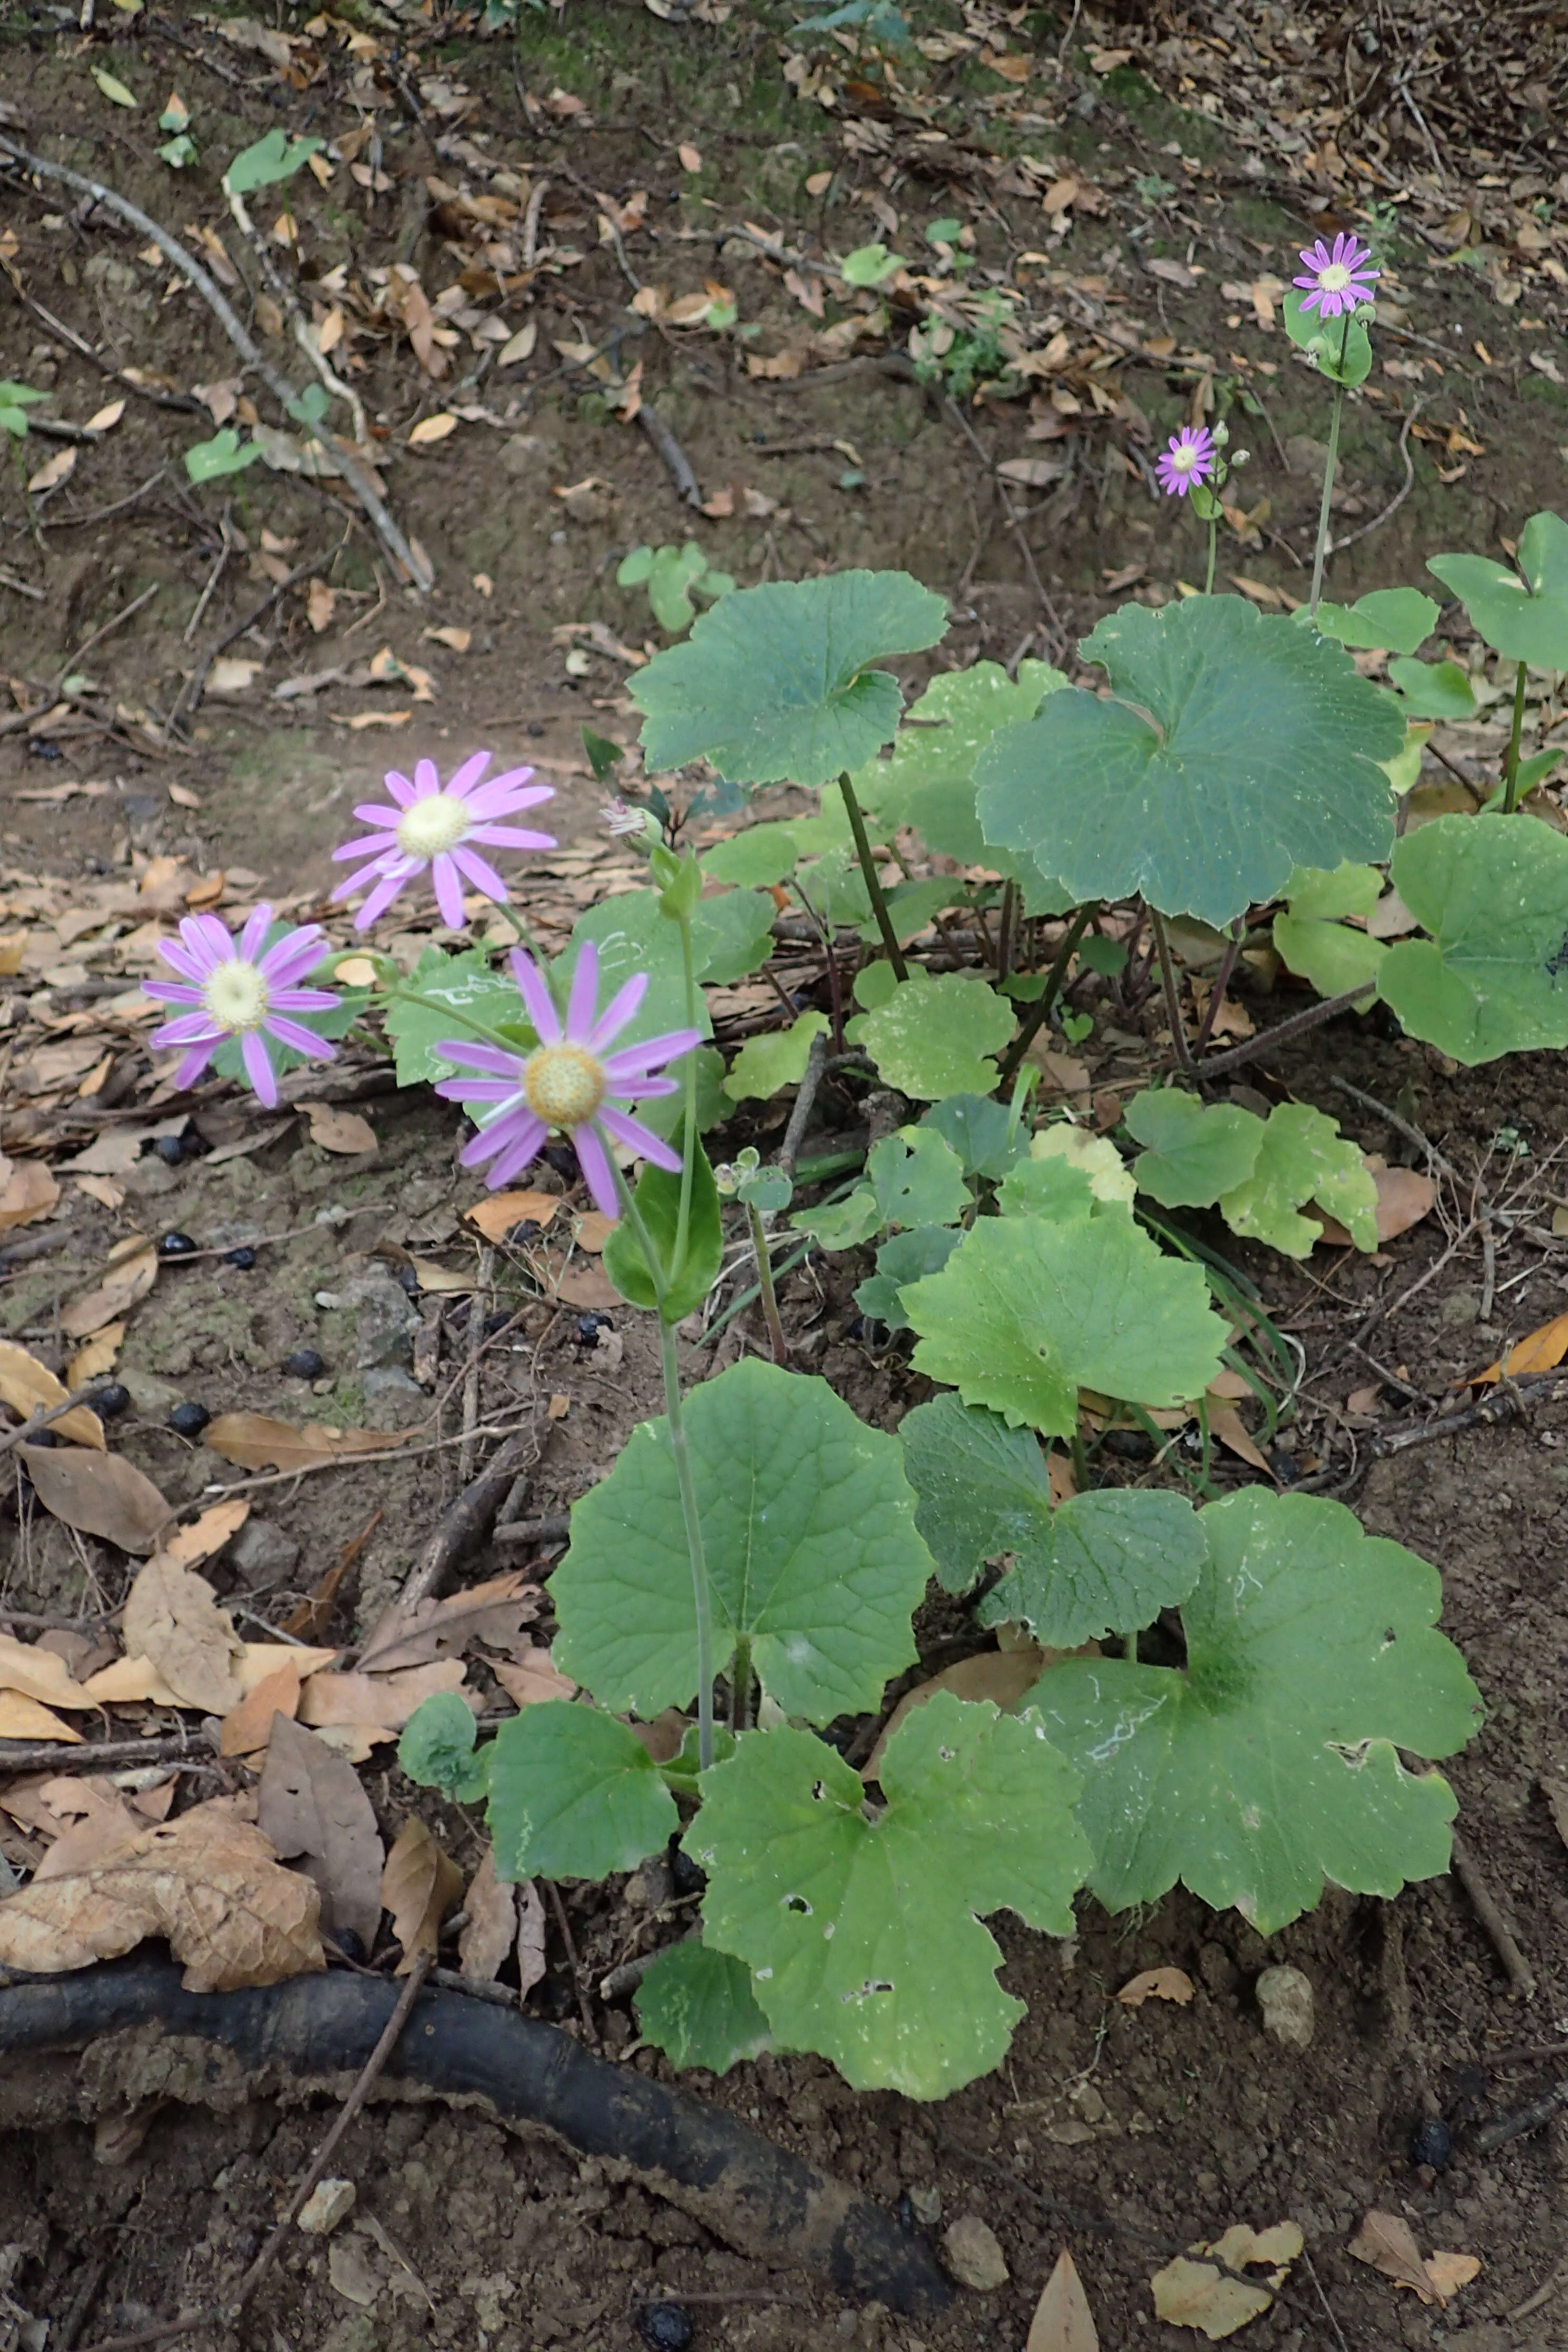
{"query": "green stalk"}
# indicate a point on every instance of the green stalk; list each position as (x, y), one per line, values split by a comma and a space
(687, 1157)
(765, 1285)
(1040, 1012)
(1511, 761)
(1130, 1648)
(1323, 547)
(873, 883)
(684, 1479)
(1213, 541)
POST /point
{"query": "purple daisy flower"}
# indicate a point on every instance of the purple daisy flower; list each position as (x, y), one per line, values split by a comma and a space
(564, 1083)
(1189, 459)
(1338, 280)
(437, 826)
(239, 992)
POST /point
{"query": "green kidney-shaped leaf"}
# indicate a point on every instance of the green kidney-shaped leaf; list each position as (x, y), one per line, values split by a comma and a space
(1397, 619)
(1494, 977)
(929, 783)
(1333, 956)
(1267, 1764)
(1524, 619)
(763, 855)
(813, 1553)
(864, 1938)
(1100, 1563)
(1303, 1156)
(1234, 748)
(731, 934)
(918, 1178)
(573, 1794)
(773, 683)
(276, 157)
(206, 461)
(698, 2008)
(983, 1133)
(1438, 689)
(935, 1036)
(657, 1198)
(842, 1224)
(470, 983)
(1059, 1189)
(1193, 1151)
(767, 1064)
(1025, 1313)
(907, 1257)
(438, 1749)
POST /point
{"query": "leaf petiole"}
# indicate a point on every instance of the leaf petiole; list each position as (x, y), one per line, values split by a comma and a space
(1322, 547)
(873, 881)
(1511, 759)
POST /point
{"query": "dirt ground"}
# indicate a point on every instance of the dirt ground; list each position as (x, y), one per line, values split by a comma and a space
(1168, 2123)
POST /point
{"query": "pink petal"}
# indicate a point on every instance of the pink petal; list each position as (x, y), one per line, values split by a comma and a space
(470, 1055)
(296, 952)
(637, 1138)
(196, 1062)
(190, 1029)
(181, 959)
(298, 1039)
(426, 779)
(255, 928)
(258, 1069)
(620, 1008)
(218, 937)
(369, 845)
(380, 898)
(636, 1061)
(171, 991)
(449, 888)
(306, 999)
(203, 952)
(585, 995)
(398, 788)
(526, 1141)
(594, 1161)
(373, 812)
(486, 1090)
(511, 836)
(505, 794)
(466, 777)
(480, 873)
(537, 1000)
(644, 1089)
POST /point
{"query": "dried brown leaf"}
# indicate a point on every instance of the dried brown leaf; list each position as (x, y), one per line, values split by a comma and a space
(495, 1612)
(248, 1728)
(208, 1533)
(530, 1959)
(1539, 1350)
(1156, 1984)
(172, 1618)
(98, 1494)
(26, 1385)
(488, 1938)
(531, 1677)
(1449, 2272)
(1194, 2295)
(26, 1191)
(339, 1130)
(1001, 1676)
(255, 1442)
(312, 1805)
(24, 1719)
(385, 1700)
(33, 1672)
(495, 1217)
(418, 1886)
(1387, 2242)
(1063, 2321)
(105, 1828)
(209, 1884)
(128, 1278)
(92, 1361)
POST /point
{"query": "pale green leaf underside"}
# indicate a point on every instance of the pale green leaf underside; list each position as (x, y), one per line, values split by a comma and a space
(1494, 977)
(1193, 1151)
(1237, 748)
(936, 1036)
(1332, 956)
(773, 682)
(1025, 1313)
(573, 1794)
(774, 1060)
(1397, 619)
(813, 1552)
(1525, 619)
(864, 1939)
(1269, 1764)
(697, 2007)
(1303, 1156)
(929, 781)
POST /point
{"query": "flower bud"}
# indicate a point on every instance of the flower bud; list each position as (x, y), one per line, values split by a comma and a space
(1241, 457)
(1221, 434)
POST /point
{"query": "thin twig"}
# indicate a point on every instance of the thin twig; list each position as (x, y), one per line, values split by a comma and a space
(106, 514)
(677, 465)
(184, 401)
(1525, 2119)
(190, 693)
(213, 576)
(303, 331)
(1299, 1024)
(48, 1413)
(794, 1133)
(99, 1755)
(1014, 524)
(418, 570)
(479, 1310)
(1311, 2269)
(1400, 1125)
(1170, 986)
(1516, 1967)
(108, 630)
(1504, 1402)
(573, 1962)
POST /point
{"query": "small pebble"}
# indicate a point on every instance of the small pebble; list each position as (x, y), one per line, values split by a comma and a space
(176, 1245)
(1284, 1998)
(971, 2250)
(304, 1364)
(189, 1420)
(325, 2207)
(665, 2327)
(110, 1402)
(243, 1257)
(1432, 2143)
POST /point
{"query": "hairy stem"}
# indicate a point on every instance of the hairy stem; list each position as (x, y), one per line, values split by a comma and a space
(689, 1143)
(765, 1283)
(1004, 929)
(873, 881)
(1173, 994)
(1321, 555)
(1130, 1648)
(1040, 1012)
(1511, 761)
(687, 1484)
(1214, 542)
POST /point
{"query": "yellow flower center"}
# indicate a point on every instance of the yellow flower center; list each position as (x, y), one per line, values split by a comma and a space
(433, 824)
(236, 995)
(1334, 279)
(564, 1085)
(1184, 459)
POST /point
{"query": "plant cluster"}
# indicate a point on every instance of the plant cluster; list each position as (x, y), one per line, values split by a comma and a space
(1232, 1695)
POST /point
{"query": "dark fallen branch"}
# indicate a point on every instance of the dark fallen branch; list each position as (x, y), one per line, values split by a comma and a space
(466, 1522)
(756, 2197)
(677, 465)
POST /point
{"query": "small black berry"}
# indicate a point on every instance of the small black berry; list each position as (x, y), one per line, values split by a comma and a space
(556, 1999)
(406, 1280)
(176, 1245)
(304, 1364)
(350, 1943)
(685, 1875)
(244, 1257)
(189, 1420)
(906, 2213)
(665, 2327)
(497, 1320)
(111, 1402)
(1432, 2143)
(167, 1148)
(588, 1330)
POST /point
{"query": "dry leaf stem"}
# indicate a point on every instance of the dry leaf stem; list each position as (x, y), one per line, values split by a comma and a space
(1515, 1966)
(573, 1962)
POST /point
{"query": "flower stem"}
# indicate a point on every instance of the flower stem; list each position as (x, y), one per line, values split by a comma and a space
(1214, 538)
(463, 1020)
(688, 1139)
(873, 881)
(1511, 760)
(1040, 1012)
(1183, 1052)
(1323, 547)
(765, 1280)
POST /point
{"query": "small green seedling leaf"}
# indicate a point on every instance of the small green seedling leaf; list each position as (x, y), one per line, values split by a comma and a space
(868, 265)
(841, 1224)
(1193, 1151)
(864, 1938)
(657, 1198)
(907, 1257)
(755, 859)
(935, 1036)
(1397, 620)
(633, 567)
(813, 1553)
(1025, 1313)
(573, 1794)
(16, 399)
(946, 231)
(1524, 619)
(698, 2008)
(1106, 956)
(1433, 690)
(438, 1749)
(673, 572)
(310, 406)
(1303, 1156)
(981, 1131)
(917, 1179)
(206, 461)
(112, 88)
(1267, 1764)
(605, 755)
(1494, 977)
(466, 984)
(731, 934)
(776, 683)
(1233, 748)
(766, 1065)
(276, 157)
(1333, 956)
(179, 152)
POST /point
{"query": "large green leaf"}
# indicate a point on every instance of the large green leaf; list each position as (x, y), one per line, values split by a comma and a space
(1193, 1151)
(1303, 1156)
(813, 1553)
(983, 1133)
(573, 1794)
(936, 1036)
(1494, 977)
(763, 855)
(917, 1179)
(774, 683)
(1397, 619)
(764, 1064)
(731, 934)
(471, 984)
(657, 1199)
(1269, 1763)
(1333, 956)
(1233, 749)
(929, 783)
(1025, 1313)
(864, 1937)
(1438, 689)
(698, 2008)
(1106, 1562)
(1524, 619)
